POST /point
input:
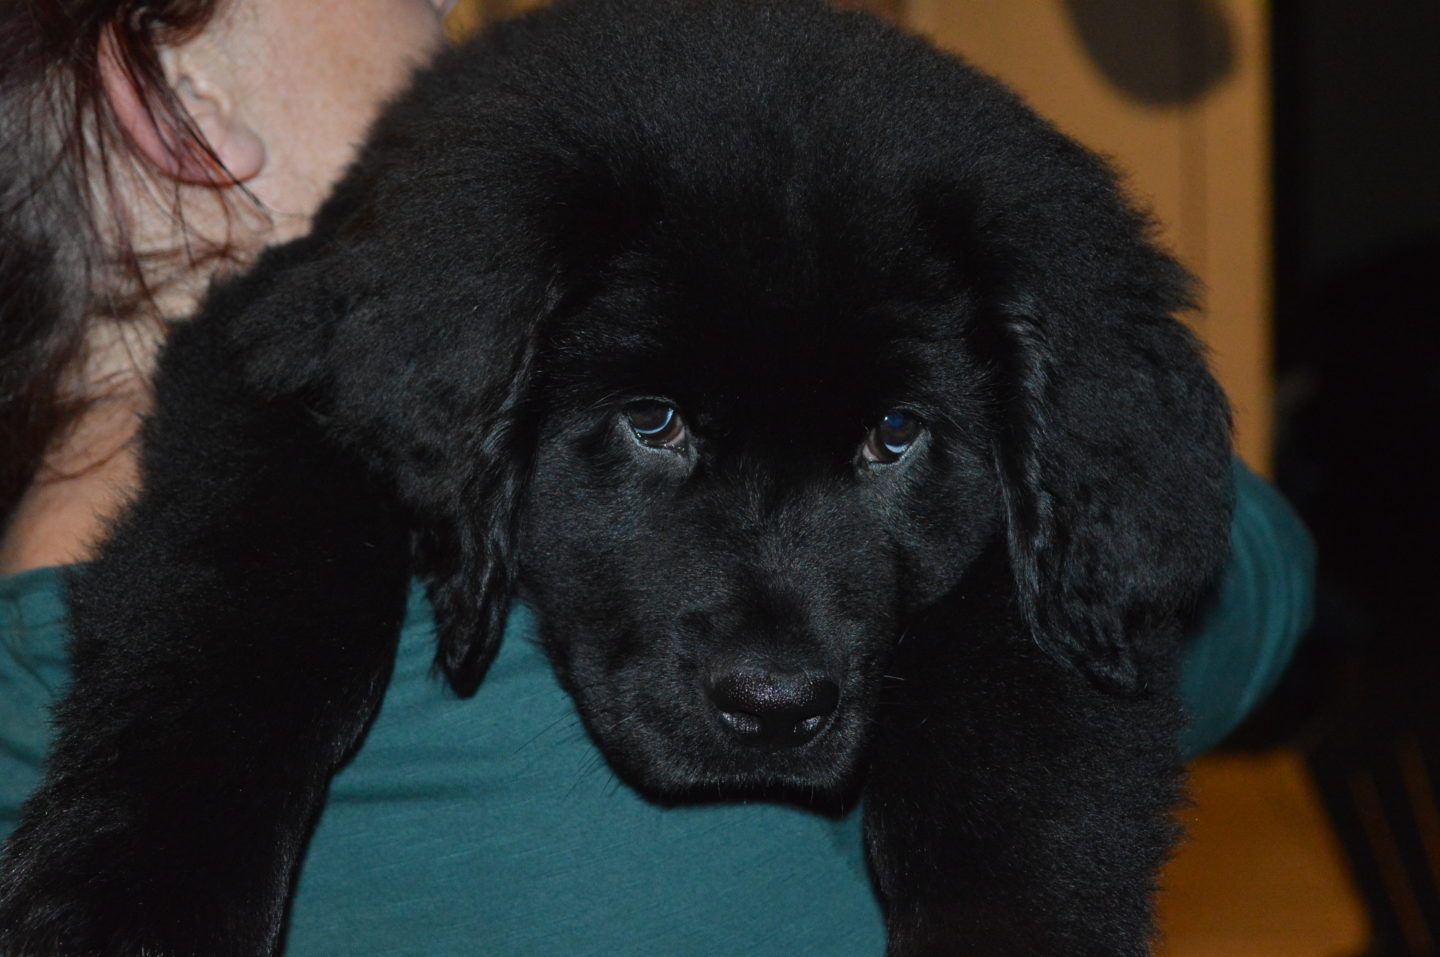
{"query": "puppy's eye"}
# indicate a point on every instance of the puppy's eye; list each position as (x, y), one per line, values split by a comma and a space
(656, 424)
(889, 439)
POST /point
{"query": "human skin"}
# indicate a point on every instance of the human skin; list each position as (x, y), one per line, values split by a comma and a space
(284, 93)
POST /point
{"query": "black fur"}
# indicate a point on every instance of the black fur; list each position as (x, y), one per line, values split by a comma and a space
(786, 221)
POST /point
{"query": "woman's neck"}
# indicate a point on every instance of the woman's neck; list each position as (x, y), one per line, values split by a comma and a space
(90, 472)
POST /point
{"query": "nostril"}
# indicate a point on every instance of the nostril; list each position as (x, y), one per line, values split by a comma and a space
(742, 723)
(773, 709)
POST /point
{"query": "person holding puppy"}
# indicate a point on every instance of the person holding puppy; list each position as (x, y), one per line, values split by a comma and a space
(154, 146)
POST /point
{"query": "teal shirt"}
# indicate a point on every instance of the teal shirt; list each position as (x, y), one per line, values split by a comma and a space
(493, 826)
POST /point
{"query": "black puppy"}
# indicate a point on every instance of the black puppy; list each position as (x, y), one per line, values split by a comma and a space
(826, 403)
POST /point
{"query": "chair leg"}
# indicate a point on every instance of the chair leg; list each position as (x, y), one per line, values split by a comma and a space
(1379, 789)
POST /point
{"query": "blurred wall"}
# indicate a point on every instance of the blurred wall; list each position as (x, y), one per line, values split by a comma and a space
(470, 15)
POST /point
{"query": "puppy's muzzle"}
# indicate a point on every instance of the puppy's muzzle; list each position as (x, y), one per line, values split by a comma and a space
(769, 708)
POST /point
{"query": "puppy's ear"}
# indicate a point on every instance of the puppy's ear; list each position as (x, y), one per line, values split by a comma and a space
(423, 377)
(1115, 466)
(468, 554)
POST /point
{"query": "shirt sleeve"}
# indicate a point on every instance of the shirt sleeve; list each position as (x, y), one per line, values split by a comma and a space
(1257, 619)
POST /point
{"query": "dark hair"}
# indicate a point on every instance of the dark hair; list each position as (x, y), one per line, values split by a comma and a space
(61, 223)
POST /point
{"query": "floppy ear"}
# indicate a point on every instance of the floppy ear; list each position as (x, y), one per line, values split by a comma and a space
(468, 554)
(1115, 467)
(422, 376)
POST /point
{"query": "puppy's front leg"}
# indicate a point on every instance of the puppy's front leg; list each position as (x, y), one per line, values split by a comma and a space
(230, 644)
(1015, 810)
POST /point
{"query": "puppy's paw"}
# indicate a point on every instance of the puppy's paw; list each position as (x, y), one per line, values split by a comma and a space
(81, 897)
(41, 920)
(44, 913)
(46, 924)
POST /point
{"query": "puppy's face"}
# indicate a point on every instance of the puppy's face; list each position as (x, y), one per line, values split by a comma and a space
(760, 455)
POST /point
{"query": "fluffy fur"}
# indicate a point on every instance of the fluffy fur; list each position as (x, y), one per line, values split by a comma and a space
(785, 223)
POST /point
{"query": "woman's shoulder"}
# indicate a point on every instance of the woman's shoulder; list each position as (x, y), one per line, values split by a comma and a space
(33, 642)
(35, 597)
(33, 670)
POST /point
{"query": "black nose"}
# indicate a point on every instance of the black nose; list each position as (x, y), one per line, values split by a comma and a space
(773, 709)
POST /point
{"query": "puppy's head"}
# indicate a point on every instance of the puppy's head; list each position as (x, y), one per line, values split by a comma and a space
(737, 334)
(762, 450)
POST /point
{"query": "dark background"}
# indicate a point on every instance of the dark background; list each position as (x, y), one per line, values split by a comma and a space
(1357, 217)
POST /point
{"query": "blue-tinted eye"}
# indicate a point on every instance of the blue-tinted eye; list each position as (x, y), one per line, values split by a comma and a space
(656, 424)
(642, 425)
(890, 438)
